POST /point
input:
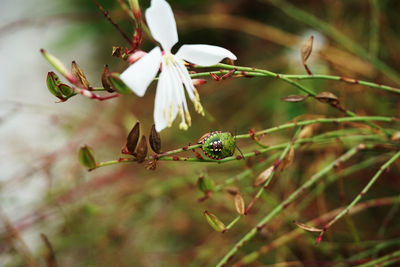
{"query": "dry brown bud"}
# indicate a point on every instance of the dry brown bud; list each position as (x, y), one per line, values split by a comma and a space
(306, 49)
(294, 98)
(78, 73)
(327, 97)
(141, 151)
(133, 138)
(105, 81)
(155, 140)
(262, 177)
(307, 228)
(239, 204)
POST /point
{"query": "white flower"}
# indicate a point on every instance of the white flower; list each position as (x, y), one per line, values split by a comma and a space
(174, 77)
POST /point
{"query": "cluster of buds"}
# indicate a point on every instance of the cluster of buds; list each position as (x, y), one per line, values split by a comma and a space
(138, 148)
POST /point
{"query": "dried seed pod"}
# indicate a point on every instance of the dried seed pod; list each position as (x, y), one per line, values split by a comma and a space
(104, 80)
(307, 227)
(262, 177)
(86, 157)
(155, 140)
(141, 151)
(306, 49)
(78, 73)
(214, 222)
(327, 97)
(133, 138)
(294, 98)
(239, 204)
(288, 160)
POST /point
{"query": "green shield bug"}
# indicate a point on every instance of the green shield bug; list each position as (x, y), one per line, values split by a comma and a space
(218, 145)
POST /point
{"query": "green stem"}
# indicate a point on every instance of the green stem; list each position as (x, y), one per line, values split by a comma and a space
(234, 222)
(319, 120)
(363, 192)
(288, 201)
(392, 257)
(303, 77)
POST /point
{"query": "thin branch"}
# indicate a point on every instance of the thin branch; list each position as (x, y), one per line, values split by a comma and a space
(315, 178)
(107, 16)
(359, 196)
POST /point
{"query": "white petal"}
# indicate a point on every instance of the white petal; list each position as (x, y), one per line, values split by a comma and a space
(184, 74)
(162, 25)
(165, 110)
(204, 55)
(160, 104)
(139, 75)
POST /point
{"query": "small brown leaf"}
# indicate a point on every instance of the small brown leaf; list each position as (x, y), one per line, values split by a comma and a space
(264, 176)
(155, 140)
(239, 204)
(141, 151)
(306, 49)
(294, 98)
(104, 80)
(133, 138)
(78, 73)
(288, 160)
(327, 97)
(307, 227)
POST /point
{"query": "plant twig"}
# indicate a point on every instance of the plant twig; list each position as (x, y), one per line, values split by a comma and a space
(316, 177)
(359, 196)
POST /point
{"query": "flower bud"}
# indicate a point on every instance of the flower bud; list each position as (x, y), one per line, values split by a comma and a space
(86, 157)
(214, 222)
(141, 151)
(155, 140)
(78, 73)
(59, 66)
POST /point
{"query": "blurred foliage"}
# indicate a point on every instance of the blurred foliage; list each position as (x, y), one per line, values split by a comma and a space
(124, 215)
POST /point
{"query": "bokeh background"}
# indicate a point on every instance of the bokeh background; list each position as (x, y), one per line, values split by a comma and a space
(124, 215)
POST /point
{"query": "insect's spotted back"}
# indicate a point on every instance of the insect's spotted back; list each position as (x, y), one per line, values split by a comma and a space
(218, 145)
